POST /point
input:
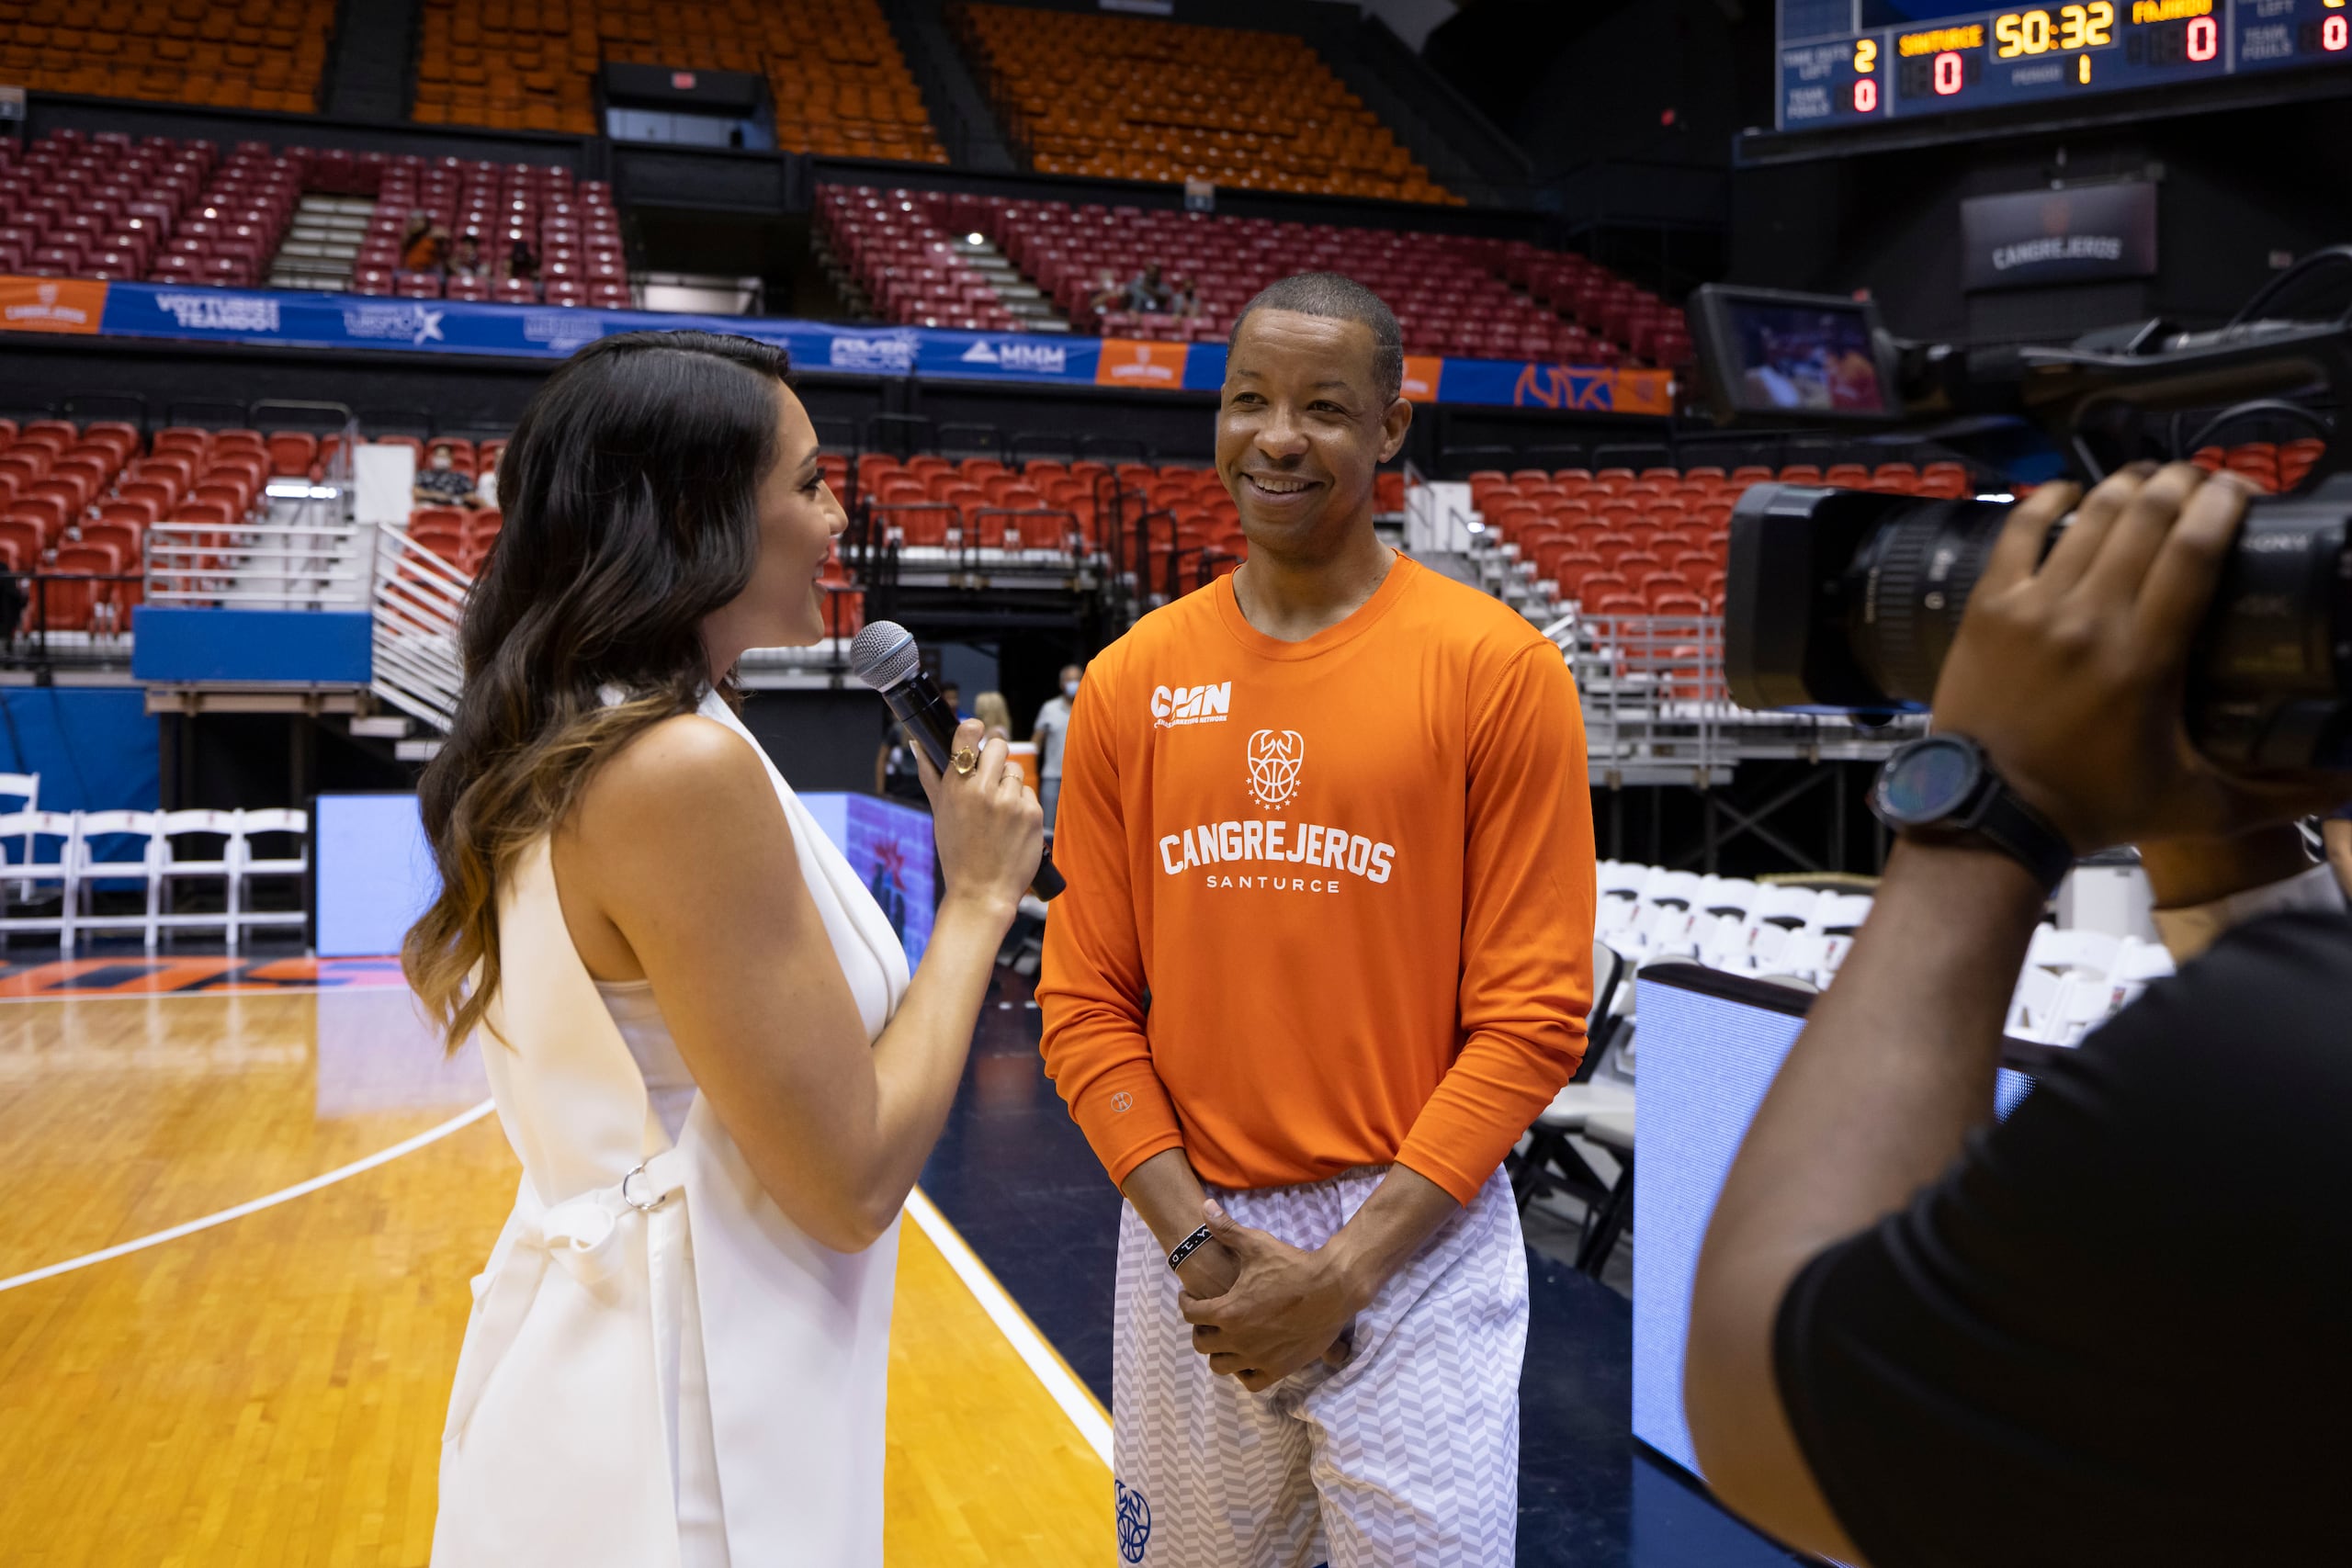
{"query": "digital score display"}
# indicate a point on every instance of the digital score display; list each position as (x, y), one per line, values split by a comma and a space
(1989, 59)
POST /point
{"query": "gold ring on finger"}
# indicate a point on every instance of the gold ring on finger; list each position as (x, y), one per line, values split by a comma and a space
(965, 759)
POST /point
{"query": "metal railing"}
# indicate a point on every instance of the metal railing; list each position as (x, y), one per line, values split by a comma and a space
(418, 602)
(1658, 710)
(260, 566)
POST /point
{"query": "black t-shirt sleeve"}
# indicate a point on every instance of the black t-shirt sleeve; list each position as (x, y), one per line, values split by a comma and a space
(2116, 1331)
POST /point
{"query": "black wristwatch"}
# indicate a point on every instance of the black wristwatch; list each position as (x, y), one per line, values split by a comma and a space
(1940, 789)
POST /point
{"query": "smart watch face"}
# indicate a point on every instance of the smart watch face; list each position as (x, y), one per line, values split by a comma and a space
(1928, 781)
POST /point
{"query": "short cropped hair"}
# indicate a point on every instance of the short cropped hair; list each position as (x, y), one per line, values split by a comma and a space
(1342, 298)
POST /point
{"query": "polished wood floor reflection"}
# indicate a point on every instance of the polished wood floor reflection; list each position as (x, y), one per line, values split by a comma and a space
(271, 1391)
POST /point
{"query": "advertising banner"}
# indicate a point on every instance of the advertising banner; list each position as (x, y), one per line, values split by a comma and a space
(52, 304)
(1157, 366)
(2030, 238)
(1500, 382)
(545, 332)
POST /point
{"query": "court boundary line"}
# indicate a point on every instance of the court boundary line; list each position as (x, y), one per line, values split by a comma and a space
(218, 993)
(1076, 1401)
(268, 1200)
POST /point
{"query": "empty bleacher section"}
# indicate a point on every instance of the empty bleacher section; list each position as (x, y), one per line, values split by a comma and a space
(1655, 541)
(103, 206)
(1120, 98)
(94, 516)
(260, 54)
(169, 212)
(1452, 294)
(840, 86)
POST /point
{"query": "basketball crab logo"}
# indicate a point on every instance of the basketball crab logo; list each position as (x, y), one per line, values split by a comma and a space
(1274, 759)
(1134, 1521)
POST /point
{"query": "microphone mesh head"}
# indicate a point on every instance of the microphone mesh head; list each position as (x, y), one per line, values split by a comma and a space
(884, 654)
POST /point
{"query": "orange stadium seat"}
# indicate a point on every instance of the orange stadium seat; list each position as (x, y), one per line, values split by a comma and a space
(247, 54)
(1125, 98)
(840, 83)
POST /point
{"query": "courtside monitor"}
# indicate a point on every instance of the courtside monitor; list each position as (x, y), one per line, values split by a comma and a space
(1769, 357)
(1711, 1046)
(372, 873)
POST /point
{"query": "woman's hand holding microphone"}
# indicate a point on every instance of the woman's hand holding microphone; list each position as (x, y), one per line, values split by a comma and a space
(988, 826)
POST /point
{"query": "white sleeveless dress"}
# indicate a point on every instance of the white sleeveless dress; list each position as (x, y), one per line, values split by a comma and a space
(661, 1370)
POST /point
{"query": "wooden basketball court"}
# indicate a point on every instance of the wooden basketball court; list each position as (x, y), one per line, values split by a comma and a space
(270, 1389)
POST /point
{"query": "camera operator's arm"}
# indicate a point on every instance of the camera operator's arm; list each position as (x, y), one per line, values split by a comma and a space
(1896, 1065)
(2337, 833)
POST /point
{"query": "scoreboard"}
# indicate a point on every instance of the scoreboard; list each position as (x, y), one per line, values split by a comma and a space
(1987, 59)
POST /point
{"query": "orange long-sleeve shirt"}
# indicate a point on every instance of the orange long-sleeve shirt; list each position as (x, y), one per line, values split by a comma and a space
(1330, 902)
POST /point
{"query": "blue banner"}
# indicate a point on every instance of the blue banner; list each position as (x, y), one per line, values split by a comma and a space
(293, 320)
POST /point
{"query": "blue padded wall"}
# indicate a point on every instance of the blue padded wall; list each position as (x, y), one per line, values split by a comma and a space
(95, 748)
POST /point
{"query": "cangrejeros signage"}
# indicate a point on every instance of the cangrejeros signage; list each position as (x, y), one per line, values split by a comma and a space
(2036, 237)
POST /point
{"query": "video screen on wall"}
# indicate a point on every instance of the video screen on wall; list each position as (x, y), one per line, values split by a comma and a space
(889, 847)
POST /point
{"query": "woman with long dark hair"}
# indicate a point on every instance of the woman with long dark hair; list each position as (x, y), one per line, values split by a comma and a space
(701, 1032)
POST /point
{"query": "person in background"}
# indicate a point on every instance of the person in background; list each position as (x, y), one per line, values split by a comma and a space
(522, 262)
(1109, 294)
(418, 232)
(994, 714)
(465, 258)
(486, 489)
(2335, 832)
(1048, 733)
(430, 252)
(1184, 301)
(441, 483)
(1146, 294)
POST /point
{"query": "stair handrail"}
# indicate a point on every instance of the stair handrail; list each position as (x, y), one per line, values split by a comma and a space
(417, 607)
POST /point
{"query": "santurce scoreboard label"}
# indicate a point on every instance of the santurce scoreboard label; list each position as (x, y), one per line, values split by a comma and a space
(1941, 63)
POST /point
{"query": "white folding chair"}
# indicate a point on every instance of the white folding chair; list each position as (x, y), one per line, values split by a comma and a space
(2035, 1005)
(1775, 913)
(2137, 962)
(1621, 896)
(1839, 913)
(25, 788)
(2073, 952)
(249, 862)
(39, 847)
(98, 838)
(196, 846)
(1550, 1163)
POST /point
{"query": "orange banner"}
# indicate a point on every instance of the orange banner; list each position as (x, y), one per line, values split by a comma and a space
(1644, 391)
(1127, 362)
(1421, 372)
(52, 304)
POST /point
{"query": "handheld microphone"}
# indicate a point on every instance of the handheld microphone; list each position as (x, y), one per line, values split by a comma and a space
(885, 657)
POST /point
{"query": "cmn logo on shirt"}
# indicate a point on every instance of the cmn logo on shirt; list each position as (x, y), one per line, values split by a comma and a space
(1175, 705)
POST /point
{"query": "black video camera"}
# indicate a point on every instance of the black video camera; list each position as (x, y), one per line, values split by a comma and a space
(1850, 599)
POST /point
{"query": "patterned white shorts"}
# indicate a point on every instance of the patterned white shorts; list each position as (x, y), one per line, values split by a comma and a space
(1408, 1457)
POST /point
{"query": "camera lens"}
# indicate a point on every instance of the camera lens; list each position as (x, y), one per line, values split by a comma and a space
(1849, 601)
(1908, 585)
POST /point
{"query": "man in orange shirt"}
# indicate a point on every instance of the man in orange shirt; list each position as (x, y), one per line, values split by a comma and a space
(1324, 956)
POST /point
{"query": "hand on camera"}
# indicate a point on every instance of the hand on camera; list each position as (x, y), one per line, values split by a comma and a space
(2072, 676)
(987, 824)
